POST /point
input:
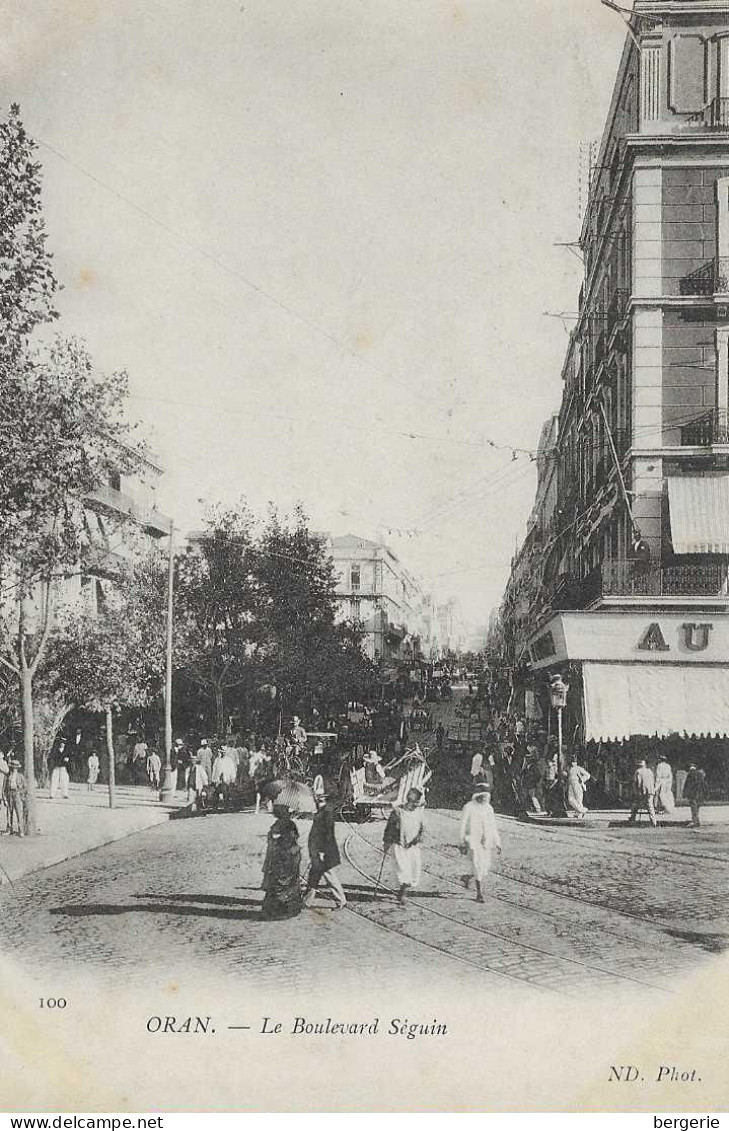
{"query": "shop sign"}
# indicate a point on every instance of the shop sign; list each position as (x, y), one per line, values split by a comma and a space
(619, 637)
(695, 637)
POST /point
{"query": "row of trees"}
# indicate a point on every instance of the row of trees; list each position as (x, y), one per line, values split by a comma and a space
(255, 633)
(255, 613)
(62, 430)
(254, 601)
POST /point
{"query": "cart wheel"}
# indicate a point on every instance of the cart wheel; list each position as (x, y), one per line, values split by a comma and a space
(347, 811)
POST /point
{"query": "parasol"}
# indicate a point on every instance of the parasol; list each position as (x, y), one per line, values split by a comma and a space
(297, 796)
(270, 789)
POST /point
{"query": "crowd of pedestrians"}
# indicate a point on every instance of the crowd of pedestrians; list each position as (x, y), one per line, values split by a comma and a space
(522, 766)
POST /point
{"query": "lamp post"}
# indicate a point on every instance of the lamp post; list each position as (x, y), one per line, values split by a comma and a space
(558, 695)
(167, 790)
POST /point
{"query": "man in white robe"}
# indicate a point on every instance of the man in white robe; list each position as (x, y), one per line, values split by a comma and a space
(403, 834)
(224, 768)
(479, 837)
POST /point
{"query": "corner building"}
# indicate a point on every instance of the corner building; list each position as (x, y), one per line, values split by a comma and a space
(630, 598)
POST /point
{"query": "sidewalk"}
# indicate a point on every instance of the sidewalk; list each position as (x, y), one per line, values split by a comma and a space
(76, 825)
(713, 813)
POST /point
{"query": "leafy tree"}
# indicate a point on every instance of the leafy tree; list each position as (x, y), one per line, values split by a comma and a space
(27, 282)
(216, 630)
(107, 662)
(339, 670)
(61, 429)
(64, 432)
(255, 609)
(308, 656)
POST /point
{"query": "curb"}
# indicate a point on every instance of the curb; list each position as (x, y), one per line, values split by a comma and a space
(7, 881)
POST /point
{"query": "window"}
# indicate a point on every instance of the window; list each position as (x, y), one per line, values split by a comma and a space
(355, 577)
(115, 480)
(356, 609)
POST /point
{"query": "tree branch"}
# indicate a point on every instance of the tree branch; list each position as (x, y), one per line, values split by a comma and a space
(10, 666)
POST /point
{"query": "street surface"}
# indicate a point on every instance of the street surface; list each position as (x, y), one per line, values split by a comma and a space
(566, 910)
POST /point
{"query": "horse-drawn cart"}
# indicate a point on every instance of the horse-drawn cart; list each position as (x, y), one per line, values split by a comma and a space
(364, 799)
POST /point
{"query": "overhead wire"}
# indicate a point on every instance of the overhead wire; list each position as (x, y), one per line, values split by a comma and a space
(236, 273)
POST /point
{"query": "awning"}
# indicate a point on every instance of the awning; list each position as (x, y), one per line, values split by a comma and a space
(626, 699)
(699, 506)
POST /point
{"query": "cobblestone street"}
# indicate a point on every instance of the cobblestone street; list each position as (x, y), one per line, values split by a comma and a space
(566, 910)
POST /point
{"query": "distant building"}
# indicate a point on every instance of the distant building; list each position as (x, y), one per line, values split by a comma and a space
(451, 629)
(374, 589)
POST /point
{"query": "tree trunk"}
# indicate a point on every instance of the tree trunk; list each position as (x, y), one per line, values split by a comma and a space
(26, 711)
(110, 751)
(220, 727)
(44, 738)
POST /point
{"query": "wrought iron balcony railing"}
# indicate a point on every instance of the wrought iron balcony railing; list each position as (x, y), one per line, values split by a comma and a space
(701, 281)
(119, 502)
(716, 114)
(628, 578)
(600, 348)
(710, 428)
(653, 579)
(617, 309)
(710, 278)
(98, 561)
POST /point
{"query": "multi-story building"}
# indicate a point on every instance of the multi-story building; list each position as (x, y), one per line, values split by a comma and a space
(119, 520)
(124, 505)
(525, 595)
(376, 591)
(452, 633)
(629, 584)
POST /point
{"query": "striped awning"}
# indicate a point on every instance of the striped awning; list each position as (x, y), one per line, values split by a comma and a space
(699, 506)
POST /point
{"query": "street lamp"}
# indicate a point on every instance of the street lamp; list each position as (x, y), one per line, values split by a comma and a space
(558, 695)
(167, 790)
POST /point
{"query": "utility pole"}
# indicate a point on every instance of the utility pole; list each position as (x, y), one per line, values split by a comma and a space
(167, 791)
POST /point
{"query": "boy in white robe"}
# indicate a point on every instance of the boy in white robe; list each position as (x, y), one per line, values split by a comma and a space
(479, 837)
(403, 834)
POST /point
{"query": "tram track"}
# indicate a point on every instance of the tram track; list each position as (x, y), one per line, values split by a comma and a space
(565, 917)
(560, 974)
(519, 829)
(543, 834)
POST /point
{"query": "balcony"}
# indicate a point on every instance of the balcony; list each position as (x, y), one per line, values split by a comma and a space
(699, 282)
(626, 578)
(600, 343)
(710, 278)
(395, 633)
(710, 428)
(715, 115)
(98, 561)
(114, 502)
(617, 309)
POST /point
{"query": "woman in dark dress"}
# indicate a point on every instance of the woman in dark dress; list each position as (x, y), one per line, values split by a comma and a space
(281, 868)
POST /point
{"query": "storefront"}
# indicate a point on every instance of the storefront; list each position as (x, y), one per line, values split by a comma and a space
(641, 682)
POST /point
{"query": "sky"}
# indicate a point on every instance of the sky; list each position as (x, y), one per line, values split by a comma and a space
(320, 236)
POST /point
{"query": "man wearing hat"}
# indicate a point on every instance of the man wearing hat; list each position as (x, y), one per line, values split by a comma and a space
(324, 854)
(374, 771)
(205, 755)
(14, 796)
(479, 837)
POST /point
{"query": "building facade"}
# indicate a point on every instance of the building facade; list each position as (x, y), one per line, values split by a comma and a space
(399, 619)
(623, 574)
(121, 520)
